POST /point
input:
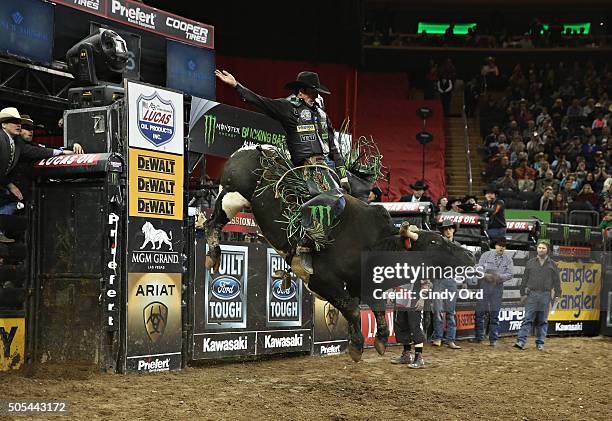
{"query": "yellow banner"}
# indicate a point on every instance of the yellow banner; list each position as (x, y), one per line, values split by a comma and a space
(580, 292)
(155, 184)
(12, 343)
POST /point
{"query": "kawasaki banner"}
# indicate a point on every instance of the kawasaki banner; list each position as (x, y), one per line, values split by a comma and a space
(219, 129)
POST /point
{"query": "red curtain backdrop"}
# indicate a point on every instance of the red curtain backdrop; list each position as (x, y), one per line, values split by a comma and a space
(268, 77)
(376, 103)
(384, 113)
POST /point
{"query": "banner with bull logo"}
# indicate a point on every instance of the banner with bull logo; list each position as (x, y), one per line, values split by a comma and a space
(155, 241)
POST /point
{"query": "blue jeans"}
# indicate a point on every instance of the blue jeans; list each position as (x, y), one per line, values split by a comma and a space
(8, 209)
(441, 306)
(536, 310)
(496, 233)
(491, 304)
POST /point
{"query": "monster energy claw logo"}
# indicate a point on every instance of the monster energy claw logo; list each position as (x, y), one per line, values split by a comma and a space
(318, 212)
(566, 232)
(210, 123)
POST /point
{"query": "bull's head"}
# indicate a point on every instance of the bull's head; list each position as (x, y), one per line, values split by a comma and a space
(443, 252)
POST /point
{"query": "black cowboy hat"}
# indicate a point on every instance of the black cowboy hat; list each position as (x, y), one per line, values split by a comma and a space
(492, 188)
(307, 80)
(451, 200)
(419, 185)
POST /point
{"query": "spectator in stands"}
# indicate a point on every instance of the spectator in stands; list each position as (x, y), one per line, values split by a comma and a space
(441, 306)
(418, 193)
(587, 195)
(495, 210)
(524, 173)
(444, 87)
(498, 268)
(560, 208)
(569, 193)
(493, 137)
(547, 200)
(12, 148)
(549, 180)
(490, 69)
(541, 275)
(443, 204)
(455, 204)
(506, 183)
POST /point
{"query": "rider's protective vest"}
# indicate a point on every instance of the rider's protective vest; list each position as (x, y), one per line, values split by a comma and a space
(309, 131)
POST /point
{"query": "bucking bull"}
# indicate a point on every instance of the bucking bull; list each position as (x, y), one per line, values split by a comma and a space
(336, 276)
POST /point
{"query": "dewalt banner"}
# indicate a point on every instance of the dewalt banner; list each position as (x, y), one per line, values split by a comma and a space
(580, 292)
(155, 184)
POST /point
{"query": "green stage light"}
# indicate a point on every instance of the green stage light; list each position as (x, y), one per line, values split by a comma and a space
(573, 26)
(440, 28)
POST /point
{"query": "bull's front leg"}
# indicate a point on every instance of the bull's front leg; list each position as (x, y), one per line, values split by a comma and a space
(382, 332)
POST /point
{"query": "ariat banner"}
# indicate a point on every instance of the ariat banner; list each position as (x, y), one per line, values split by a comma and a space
(580, 288)
(12, 343)
(155, 184)
(330, 329)
(154, 321)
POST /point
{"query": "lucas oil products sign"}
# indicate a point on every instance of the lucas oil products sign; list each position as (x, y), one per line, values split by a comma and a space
(225, 292)
(155, 120)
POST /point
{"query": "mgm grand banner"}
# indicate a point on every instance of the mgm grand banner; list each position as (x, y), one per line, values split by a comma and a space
(154, 228)
(219, 129)
(240, 310)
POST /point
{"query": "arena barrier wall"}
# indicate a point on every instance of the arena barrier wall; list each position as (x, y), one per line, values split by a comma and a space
(241, 311)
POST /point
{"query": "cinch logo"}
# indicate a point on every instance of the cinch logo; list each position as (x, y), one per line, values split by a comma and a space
(319, 212)
(156, 119)
(239, 344)
(210, 123)
(17, 18)
(284, 294)
(226, 288)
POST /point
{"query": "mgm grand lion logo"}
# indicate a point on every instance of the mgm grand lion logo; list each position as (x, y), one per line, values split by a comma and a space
(332, 315)
(155, 316)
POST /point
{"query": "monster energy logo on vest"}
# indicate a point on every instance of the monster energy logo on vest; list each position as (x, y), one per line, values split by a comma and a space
(319, 211)
(210, 123)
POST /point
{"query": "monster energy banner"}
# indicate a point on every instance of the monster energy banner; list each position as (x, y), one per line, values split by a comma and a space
(219, 129)
(240, 310)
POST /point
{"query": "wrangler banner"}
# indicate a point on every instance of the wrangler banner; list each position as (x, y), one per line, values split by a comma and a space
(580, 288)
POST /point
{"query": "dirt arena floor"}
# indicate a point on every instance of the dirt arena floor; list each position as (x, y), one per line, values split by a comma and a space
(570, 380)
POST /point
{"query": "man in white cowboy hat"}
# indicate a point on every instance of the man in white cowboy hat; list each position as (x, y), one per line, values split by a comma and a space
(12, 148)
(310, 141)
(418, 193)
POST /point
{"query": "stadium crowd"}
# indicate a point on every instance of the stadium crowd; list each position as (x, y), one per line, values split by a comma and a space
(547, 140)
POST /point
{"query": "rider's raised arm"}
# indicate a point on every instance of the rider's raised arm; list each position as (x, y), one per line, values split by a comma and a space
(278, 109)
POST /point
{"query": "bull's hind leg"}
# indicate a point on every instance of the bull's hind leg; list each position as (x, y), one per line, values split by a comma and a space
(382, 332)
(332, 290)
